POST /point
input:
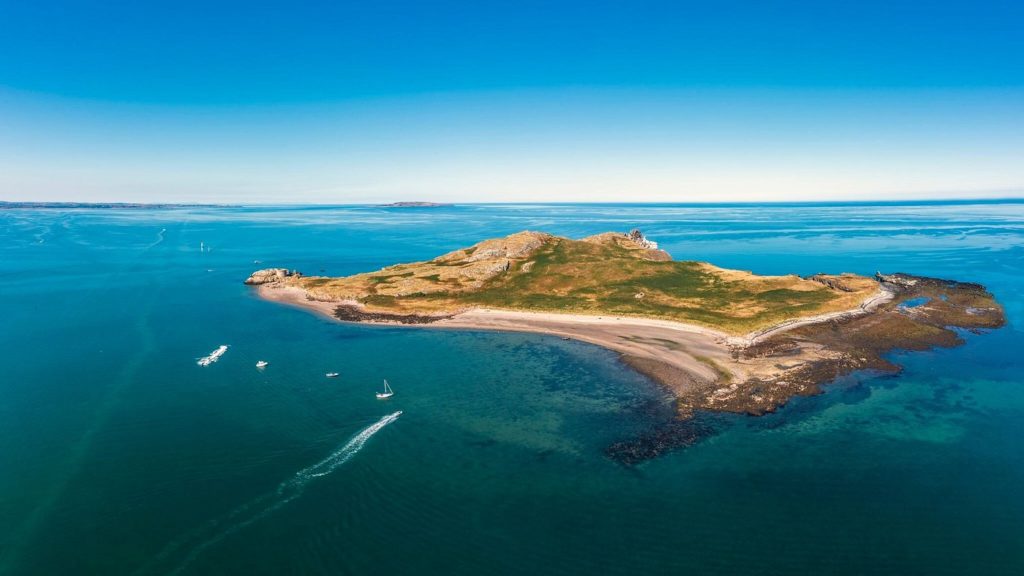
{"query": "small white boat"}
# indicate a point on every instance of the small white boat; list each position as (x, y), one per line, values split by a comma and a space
(331, 374)
(387, 393)
(262, 364)
(213, 356)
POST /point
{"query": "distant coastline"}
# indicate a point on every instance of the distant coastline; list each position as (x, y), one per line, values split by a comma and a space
(8, 204)
(102, 205)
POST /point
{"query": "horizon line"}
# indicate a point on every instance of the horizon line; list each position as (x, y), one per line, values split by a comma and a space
(9, 204)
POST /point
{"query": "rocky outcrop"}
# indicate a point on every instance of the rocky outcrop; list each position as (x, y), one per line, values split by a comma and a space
(486, 269)
(635, 242)
(833, 282)
(350, 313)
(271, 276)
(899, 279)
(637, 236)
(515, 246)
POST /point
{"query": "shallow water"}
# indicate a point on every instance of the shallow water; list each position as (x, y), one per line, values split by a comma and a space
(120, 455)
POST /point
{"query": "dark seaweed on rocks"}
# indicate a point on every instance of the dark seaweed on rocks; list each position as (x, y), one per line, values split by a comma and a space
(355, 314)
(677, 433)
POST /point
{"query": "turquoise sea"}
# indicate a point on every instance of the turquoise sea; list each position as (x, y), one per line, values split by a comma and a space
(119, 455)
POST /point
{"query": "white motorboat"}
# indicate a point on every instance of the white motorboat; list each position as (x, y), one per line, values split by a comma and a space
(262, 364)
(213, 356)
(331, 374)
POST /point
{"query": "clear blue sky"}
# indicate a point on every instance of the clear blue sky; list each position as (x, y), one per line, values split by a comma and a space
(503, 101)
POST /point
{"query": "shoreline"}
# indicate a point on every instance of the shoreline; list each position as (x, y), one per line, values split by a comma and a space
(687, 359)
(681, 357)
(490, 318)
(296, 297)
(676, 355)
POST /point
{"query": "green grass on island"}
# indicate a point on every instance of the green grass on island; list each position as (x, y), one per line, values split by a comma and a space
(608, 274)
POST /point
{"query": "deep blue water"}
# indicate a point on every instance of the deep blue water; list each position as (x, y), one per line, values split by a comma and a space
(118, 455)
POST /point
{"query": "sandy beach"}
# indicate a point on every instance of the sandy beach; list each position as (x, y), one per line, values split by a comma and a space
(295, 296)
(680, 356)
(690, 360)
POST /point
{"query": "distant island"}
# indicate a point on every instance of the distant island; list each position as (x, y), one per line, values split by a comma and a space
(415, 205)
(721, 340)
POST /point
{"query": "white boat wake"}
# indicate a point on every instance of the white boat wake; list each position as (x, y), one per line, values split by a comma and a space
(160, 237)
(258, 508)
(340, 456)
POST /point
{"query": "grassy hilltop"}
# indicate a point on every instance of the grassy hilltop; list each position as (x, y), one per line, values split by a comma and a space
(609, 274)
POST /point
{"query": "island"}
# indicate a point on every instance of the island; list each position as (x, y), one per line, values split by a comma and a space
(415, 204)
(719, 340)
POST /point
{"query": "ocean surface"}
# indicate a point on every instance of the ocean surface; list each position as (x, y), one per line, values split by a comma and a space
(119, 455)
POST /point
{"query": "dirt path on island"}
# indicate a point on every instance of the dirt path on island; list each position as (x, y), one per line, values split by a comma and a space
(884, 294)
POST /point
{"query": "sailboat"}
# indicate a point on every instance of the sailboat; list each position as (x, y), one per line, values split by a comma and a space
(387, 393)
